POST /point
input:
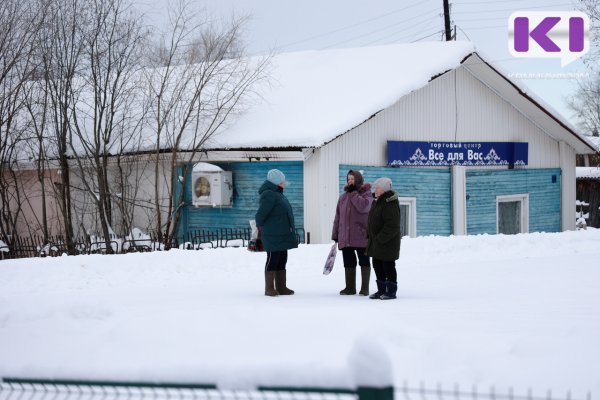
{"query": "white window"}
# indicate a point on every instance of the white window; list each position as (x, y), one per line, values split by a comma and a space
(408, 216)
(512, 214)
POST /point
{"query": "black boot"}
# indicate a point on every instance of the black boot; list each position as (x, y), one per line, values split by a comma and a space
(270, 284)
(380, 290)
(365, 274)
(280, 283)
(390, 290)
(350, 281)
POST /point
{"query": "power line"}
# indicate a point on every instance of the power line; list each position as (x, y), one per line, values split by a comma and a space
(512, 9)
(488, 2)
(486, 27)
(401, 30)
(405, 38)
(381, 29)
(425, 37)
(465, 33)
(503, 18)
(353, 25)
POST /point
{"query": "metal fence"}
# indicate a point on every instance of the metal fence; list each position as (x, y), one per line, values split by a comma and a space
(64, 390)
(27, 389)
(422, 392)
(209, 237)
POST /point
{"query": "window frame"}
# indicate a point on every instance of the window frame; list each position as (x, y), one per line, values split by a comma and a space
(524, 199)
(411, 202)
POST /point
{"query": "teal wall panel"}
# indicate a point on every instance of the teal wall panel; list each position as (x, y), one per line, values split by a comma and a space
(247, 179)
(431, 187)
(544, 197)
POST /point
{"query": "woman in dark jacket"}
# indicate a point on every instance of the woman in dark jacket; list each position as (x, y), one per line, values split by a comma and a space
(275, 220)
(350, 230)
(384, 239)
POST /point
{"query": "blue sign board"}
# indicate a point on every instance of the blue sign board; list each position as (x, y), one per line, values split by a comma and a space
(456, 153)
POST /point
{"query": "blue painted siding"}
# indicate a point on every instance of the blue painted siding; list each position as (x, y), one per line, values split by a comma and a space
(247, 179)
(544, 197)
(431, 187)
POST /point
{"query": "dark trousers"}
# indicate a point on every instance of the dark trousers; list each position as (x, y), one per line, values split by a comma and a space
(276, 260)
(350, 253)
(385, 270)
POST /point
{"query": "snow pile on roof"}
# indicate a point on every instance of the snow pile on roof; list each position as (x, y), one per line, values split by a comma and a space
(516, 311)
(588, 172)
(315, 96)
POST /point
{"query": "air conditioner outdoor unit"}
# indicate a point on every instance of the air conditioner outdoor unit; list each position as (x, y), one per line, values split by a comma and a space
(211, 186)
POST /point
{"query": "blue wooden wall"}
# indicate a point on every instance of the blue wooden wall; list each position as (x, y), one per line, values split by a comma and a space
(544, 197)
(431, 187)
(247, 179)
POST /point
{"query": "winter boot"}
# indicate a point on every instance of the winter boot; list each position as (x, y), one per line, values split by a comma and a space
(270, 284)
(380, 290)
(280, 282)
(390, 290)
(350, 281)
(365, 273)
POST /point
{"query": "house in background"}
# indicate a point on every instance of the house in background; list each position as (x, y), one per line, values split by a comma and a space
(588, 184)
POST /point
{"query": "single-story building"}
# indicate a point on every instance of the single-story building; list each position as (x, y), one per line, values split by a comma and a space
(468, 150)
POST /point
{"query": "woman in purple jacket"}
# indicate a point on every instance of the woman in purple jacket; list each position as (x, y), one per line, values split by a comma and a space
(350, 230)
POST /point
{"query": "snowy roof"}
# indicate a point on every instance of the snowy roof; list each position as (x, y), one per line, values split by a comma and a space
(206, 167)
(312, 97)
(588, 172)
(315, 96)
(318, 95)
(527, 102)
(595, 141)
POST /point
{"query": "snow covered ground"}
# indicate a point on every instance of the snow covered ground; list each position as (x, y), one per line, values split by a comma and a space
(511, 311)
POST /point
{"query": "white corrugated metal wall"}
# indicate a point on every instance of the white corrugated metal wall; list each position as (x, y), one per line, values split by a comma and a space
(436, 112)
(568, 186)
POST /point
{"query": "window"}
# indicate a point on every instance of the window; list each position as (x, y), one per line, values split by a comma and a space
(408, 216)
(512, 214)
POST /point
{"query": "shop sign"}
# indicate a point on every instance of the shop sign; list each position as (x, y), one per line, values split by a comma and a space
(456, 153)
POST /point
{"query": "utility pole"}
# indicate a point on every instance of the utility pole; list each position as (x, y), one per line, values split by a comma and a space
(447, 21)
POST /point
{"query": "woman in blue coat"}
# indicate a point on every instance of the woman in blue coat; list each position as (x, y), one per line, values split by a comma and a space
(275, 220)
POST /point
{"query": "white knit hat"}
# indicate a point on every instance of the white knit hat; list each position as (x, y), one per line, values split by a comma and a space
(276, 177)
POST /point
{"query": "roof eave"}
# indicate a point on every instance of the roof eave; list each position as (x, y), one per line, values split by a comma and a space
(583, 146)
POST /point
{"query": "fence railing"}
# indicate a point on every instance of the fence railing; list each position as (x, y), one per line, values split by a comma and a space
(18, 389)
(208, 237)
(28, 389)
(439, 392)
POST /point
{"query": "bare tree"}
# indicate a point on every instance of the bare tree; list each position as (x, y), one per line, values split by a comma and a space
(20, 22)
(36, 104)
(108, 121)
(586, 100)
(92, 104)
(586, 104)
(195, 90)
(61, 48)
(592, 9)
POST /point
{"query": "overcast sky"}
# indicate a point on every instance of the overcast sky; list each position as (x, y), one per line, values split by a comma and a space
(284, 25)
